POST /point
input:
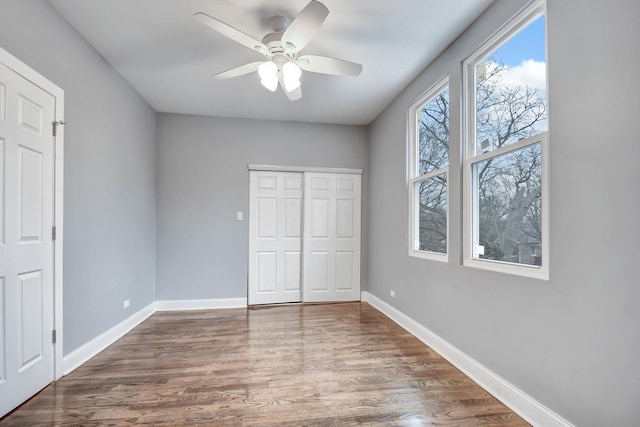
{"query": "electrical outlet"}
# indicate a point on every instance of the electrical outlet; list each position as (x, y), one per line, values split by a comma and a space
(392, 293)
(125, 304)
(239, 216)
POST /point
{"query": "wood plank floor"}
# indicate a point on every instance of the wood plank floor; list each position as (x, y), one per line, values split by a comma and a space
(307, 365)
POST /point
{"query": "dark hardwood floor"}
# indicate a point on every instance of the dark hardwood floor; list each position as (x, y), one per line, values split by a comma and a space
(301, 365)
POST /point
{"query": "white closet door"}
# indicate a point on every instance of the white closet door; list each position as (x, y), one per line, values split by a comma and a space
(331, 270)
(275, 237)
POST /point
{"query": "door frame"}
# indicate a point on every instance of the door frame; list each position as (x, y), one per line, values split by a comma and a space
(58, 186)
(274, 168)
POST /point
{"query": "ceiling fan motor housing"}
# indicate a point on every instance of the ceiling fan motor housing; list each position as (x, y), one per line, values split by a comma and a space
(273, 40)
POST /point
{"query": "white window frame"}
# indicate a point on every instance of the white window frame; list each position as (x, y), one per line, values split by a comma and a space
(520, 21)
(412, 169)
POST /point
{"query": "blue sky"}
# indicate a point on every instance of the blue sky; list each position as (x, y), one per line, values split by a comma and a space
(527, 44)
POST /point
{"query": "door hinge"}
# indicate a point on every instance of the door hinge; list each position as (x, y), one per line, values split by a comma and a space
(55, 126)
(54, 336)
(53, 233)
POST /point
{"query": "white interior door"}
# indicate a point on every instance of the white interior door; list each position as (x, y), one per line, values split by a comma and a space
(26, 246)
(331, 269)
(275, 237)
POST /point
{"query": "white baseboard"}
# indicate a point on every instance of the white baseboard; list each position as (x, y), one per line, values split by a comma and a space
(85, 352)
(521, 403)
(200, 304)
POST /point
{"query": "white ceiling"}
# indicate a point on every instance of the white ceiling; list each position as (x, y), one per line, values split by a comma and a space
(169, 57)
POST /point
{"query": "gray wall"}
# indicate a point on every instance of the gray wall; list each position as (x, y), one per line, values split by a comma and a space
(203, 181)
(572, 342)
(109, 192)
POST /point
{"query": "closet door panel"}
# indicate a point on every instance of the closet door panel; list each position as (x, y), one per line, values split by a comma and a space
(275, 237)
(331, 242)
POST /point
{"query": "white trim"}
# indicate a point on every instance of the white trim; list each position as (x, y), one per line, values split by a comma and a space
(413, 177)
(58, 215)
(469, 193)
(471, 238)
(506, 149)
(414, 219)
(432, 256)
(200, 304)
(85, 352)
(274, 168)
(518, 401)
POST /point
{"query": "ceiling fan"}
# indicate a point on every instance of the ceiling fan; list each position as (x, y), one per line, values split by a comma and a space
(282, 48)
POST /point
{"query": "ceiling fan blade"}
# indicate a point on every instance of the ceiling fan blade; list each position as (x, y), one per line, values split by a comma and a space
(327, 65)
(295, 94)
(232, 33)
(238, 71)
(305, 25)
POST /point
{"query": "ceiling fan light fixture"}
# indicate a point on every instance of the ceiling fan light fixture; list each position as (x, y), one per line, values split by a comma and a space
(291, 71)
(291, 76)
(270, 83)
(290, 85)
(268, 72)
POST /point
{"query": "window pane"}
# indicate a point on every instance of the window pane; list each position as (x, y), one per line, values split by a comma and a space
(508, 189)
(431, 194)
(511, 97)
(433, 134)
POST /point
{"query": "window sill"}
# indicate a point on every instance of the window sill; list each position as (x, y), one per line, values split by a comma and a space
(522, 270)
(433, 256)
